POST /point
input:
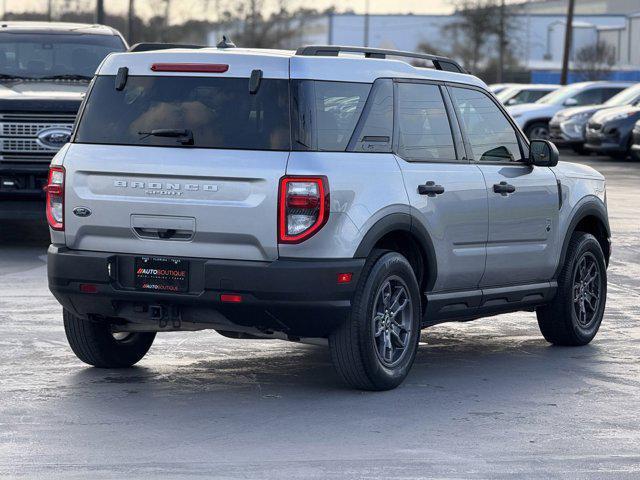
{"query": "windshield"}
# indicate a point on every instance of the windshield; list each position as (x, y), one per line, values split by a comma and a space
(54, 55)
(507, 93)
(625, 97)
(204, 112)
(560, 95)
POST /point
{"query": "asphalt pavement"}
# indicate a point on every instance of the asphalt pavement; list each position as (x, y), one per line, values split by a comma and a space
(485, 399)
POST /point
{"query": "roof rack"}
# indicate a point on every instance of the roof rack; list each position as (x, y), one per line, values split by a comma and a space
(149, 46)
(440, 63)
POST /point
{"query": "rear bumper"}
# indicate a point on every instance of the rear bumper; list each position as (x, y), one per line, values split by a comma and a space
(298, 297)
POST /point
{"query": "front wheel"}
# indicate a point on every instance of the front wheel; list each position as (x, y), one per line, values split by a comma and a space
(97, 344)
(538, 131)
(375, 347)
(575, 314)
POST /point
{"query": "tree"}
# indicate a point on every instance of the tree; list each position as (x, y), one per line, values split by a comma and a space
(595, 62)
(480, 30)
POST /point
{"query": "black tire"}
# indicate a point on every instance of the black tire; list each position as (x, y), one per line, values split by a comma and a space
(533, 130)
(357, 344)
(561, 321)
(579, 149)
(94, 343)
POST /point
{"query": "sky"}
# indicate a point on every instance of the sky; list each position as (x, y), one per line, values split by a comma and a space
(185, 9)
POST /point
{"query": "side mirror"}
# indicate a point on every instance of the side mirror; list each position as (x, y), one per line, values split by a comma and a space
(543, 153)
(570, 102)
(511, 101)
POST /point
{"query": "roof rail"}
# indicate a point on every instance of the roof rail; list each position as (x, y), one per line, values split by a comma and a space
(148, 46)
(440, 63)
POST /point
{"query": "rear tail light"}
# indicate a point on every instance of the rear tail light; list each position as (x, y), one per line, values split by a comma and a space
(55, 198)
(303, 207)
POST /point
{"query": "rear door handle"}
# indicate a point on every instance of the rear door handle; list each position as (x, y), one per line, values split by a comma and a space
(430, 189)
(503, 188)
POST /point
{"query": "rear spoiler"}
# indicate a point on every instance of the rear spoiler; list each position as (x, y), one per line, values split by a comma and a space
(150, 46)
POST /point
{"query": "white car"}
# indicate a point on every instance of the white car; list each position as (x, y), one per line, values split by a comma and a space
(525, 93)
(534, 118)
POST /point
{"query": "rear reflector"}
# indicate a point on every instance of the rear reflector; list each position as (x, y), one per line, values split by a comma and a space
(88, 288)
(345, 277)
(190, 67)
(230, 298)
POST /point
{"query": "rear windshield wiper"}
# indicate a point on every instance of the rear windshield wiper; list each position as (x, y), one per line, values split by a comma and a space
(184, 136)
(69, 76)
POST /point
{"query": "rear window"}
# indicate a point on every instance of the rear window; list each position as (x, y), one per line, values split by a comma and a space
(217, 112)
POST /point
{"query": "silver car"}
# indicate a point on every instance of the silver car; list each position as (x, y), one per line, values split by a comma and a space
(328, 195)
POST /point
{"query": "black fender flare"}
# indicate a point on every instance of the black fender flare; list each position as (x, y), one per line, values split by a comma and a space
(593, 208)
(406, 223)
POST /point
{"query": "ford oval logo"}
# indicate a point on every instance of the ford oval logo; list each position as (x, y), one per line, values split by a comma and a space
(82, 211)
(54, 137)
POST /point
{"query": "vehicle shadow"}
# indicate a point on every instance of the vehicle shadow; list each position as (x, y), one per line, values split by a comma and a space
(32, 233)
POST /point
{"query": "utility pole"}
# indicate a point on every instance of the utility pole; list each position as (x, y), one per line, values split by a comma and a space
(100, 11)
(130, 20)
(366, 23)
(568, 34)
(49, 9)
(502, 45)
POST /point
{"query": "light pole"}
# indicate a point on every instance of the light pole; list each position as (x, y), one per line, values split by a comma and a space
(366, 23)
(568, 33)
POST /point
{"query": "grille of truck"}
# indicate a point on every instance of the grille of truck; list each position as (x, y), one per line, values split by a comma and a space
(19, 135)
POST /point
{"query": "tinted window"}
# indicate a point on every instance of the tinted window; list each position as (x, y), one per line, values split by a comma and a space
(41, 55)
(424, 132)
(219, 112)
(491, 135)
(528, 96)
(589, 97)
(326, 113)
(374, 132)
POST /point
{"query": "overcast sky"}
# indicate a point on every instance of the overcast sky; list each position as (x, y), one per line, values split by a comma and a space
(184, 9)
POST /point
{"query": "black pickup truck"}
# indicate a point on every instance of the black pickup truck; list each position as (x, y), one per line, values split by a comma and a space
(45, 69)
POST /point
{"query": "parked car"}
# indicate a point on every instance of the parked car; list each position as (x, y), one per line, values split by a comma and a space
(609, 132)
(524, 93)
(568, 127)
(499, 87)
(45, 69)
(271, 194)
(534, 118)
(635, 142)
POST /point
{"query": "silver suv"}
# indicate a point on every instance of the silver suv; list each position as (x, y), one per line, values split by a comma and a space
(327, 195)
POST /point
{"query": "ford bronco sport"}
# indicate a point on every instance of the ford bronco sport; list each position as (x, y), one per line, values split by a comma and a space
(333, 194)
(45, 69)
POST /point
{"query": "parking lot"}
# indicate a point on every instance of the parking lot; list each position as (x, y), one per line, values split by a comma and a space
(487, 399)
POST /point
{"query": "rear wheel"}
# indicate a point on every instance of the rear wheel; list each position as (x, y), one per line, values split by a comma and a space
(99, 345)
(575, 315)
(376, 346)
(538, 131)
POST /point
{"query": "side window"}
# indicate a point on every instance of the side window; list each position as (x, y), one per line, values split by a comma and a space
(374, 132)
(589, 97)
(424, 132)
(326, 113)
(490, 134)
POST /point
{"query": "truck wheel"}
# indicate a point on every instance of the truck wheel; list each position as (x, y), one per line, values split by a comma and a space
(537, 131)
(96, 344)
(375, 347)
(575, 314)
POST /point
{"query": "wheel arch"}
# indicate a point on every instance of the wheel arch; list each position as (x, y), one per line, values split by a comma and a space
(401, 232)
(591, 217)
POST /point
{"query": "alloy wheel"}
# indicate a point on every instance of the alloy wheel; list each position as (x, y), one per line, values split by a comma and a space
(391, 321)
(587, 290)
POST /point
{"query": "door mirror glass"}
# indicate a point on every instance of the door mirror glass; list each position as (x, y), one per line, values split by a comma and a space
(570, 102)
(543, 153)
(512, 101)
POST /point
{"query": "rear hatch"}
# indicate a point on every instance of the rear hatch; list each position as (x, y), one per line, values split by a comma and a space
(180, 163)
